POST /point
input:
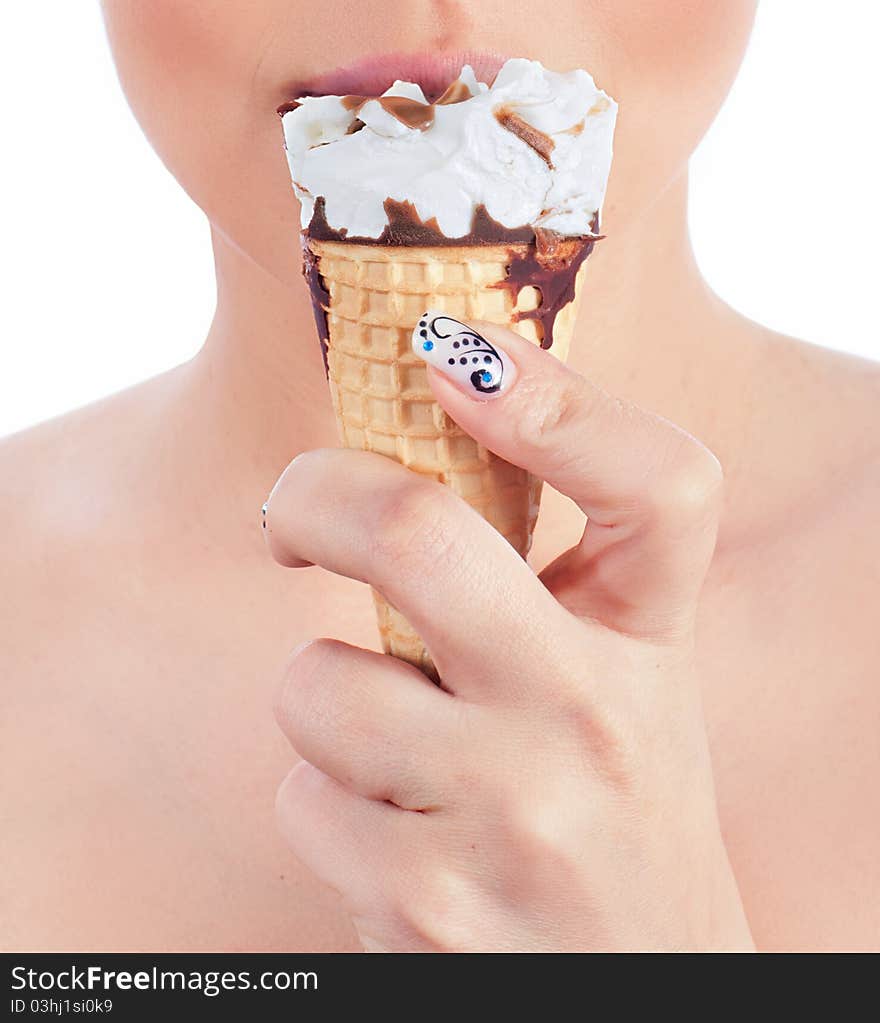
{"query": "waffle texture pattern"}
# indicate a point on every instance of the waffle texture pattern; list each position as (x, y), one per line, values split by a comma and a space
(380, 388)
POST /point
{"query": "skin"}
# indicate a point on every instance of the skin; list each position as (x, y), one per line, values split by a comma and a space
(691, 763)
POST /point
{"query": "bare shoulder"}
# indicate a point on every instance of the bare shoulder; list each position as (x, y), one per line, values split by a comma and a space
(67, 487)
(804, 502)
(62, 480)
(50, 481)
(837, 394)
(845, 399)
(814, 432)
(789, 647)
(839, 437)
(803, 493)
(57, 484)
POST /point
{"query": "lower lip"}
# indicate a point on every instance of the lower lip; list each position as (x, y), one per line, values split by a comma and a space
(371, 76)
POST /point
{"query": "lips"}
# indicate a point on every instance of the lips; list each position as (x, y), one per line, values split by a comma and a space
(371, 76)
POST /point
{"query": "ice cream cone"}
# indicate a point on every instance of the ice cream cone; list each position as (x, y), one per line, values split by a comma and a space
(380, 388)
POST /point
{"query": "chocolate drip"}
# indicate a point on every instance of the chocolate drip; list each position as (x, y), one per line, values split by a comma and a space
(285, 108)
(320, 298)
(551, 266)
(542, 144)
(539, 258)
(405, 227)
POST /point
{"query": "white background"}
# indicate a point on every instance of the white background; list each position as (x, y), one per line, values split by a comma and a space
(106, 267)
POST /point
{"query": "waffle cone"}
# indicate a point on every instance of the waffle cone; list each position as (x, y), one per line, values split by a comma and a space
(380, 388)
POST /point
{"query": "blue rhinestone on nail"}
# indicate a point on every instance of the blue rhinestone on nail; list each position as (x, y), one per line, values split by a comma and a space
(427, 345)
(487, 377)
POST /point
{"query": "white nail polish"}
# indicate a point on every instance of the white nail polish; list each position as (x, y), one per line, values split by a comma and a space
(472, 363)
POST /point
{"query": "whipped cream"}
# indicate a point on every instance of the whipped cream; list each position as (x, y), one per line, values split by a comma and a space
(534, 149)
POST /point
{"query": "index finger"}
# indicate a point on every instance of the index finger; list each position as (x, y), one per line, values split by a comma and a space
(650, 490)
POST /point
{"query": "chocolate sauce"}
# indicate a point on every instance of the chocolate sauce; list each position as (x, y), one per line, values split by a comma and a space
(405, 227)
(538, 258)
(320, 298)
(542, 144)
(411, 112)
(456, 92)
(285, 108)
(551, 265)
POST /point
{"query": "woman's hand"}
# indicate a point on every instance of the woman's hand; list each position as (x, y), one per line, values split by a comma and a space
(557, 793)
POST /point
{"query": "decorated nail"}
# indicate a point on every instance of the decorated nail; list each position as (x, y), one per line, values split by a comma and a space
(263, 511)
(472, 363)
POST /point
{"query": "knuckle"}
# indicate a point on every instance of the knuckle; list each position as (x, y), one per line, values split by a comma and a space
(610, 746)
(606, 718)
(552, 411)
(690, 483)
(282, 512)
(598, 719)
(311, 461)
(290, 482)
(434, 908)
(537, 826)
(414, 527)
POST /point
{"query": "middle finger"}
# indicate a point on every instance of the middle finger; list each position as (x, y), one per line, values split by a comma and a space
(476, 604)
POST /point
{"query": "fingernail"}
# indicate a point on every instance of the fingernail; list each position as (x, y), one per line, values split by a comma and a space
(476, 366)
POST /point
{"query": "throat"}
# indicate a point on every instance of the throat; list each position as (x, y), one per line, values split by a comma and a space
(256, 394)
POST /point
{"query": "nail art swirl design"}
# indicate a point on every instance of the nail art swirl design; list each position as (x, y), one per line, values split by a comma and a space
(459, 352)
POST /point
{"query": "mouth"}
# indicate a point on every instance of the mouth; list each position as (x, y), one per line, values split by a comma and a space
(371, 76)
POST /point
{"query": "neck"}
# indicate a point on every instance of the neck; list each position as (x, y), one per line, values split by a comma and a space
(650, 331)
